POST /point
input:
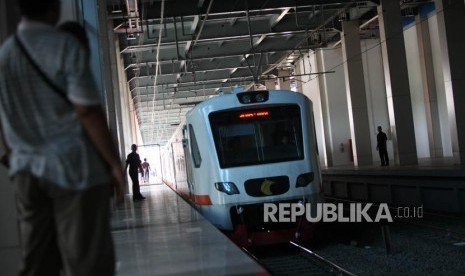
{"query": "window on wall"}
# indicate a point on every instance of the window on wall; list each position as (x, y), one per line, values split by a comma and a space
(196, 157)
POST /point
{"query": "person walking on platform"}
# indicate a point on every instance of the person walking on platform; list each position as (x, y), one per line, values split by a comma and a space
(62, 160)
(134, 164)
(381, 147)
(146, 168)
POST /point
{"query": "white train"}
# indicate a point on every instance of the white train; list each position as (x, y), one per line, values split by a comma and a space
(234, 152)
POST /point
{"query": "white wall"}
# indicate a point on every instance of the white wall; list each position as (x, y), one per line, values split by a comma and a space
(327, 93)
(310, 88)
(375, 92)
(336, 106)
(333, 109)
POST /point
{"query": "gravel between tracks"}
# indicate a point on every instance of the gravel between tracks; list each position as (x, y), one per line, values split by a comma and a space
(412, 254)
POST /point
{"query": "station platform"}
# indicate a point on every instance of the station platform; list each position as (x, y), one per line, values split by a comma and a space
(163, 235)
(436, 184)
(425, 166)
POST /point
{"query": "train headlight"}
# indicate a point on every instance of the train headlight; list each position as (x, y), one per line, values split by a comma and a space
(253, 97)
(304, 179)
(260, 97)
(227, 187)
(246, 99)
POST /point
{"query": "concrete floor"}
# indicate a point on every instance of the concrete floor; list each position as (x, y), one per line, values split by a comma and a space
(163, 235)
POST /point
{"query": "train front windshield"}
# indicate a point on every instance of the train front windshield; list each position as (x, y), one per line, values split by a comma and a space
(257, 136)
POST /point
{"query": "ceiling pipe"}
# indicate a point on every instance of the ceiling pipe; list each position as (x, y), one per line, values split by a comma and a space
(299, 45)
(147, 47)
(203, 22)
(162, 13)
(252, 48)
(168, 61)
(361, 27)
(196, 83)
(176, 38)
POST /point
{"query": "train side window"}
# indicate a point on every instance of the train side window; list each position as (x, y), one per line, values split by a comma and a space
(194, 148)
(184, 128)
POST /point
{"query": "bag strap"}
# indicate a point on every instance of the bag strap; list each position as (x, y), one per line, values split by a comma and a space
(44, 77)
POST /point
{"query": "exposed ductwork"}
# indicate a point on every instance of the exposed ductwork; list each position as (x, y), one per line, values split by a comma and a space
(187, 51)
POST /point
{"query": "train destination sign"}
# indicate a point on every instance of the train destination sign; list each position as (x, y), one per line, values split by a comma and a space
(254, 114)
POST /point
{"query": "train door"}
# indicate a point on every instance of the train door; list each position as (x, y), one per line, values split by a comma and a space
(173, 153)
(188, 160)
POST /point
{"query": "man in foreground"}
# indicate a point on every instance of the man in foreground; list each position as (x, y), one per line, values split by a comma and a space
(62, 159)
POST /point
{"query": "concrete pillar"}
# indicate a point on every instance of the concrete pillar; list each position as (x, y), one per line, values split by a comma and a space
(451, 25)
(334, 107)
(103, 61)
(270, 84)
(115, 68)
(356, 94)
(429, 88)
(284, 83)
(9, 238)
(397, 83)
(124, 93)
(298, 78)
(110, 76)
(325, 112)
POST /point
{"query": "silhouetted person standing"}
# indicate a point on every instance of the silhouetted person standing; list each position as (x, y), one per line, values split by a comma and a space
(381, 147)
(134, 163)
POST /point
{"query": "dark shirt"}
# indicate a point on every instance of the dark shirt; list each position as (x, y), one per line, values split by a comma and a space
(134, 162)
(382, 138)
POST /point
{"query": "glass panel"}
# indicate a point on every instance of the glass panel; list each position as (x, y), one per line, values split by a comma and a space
(257, 136)
(195, 148)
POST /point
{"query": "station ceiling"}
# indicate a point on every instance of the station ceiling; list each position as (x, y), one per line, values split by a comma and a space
(178, 53)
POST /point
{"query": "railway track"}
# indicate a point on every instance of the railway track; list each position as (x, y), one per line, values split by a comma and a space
(445, 227)
(294, 259)
(404, 246)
